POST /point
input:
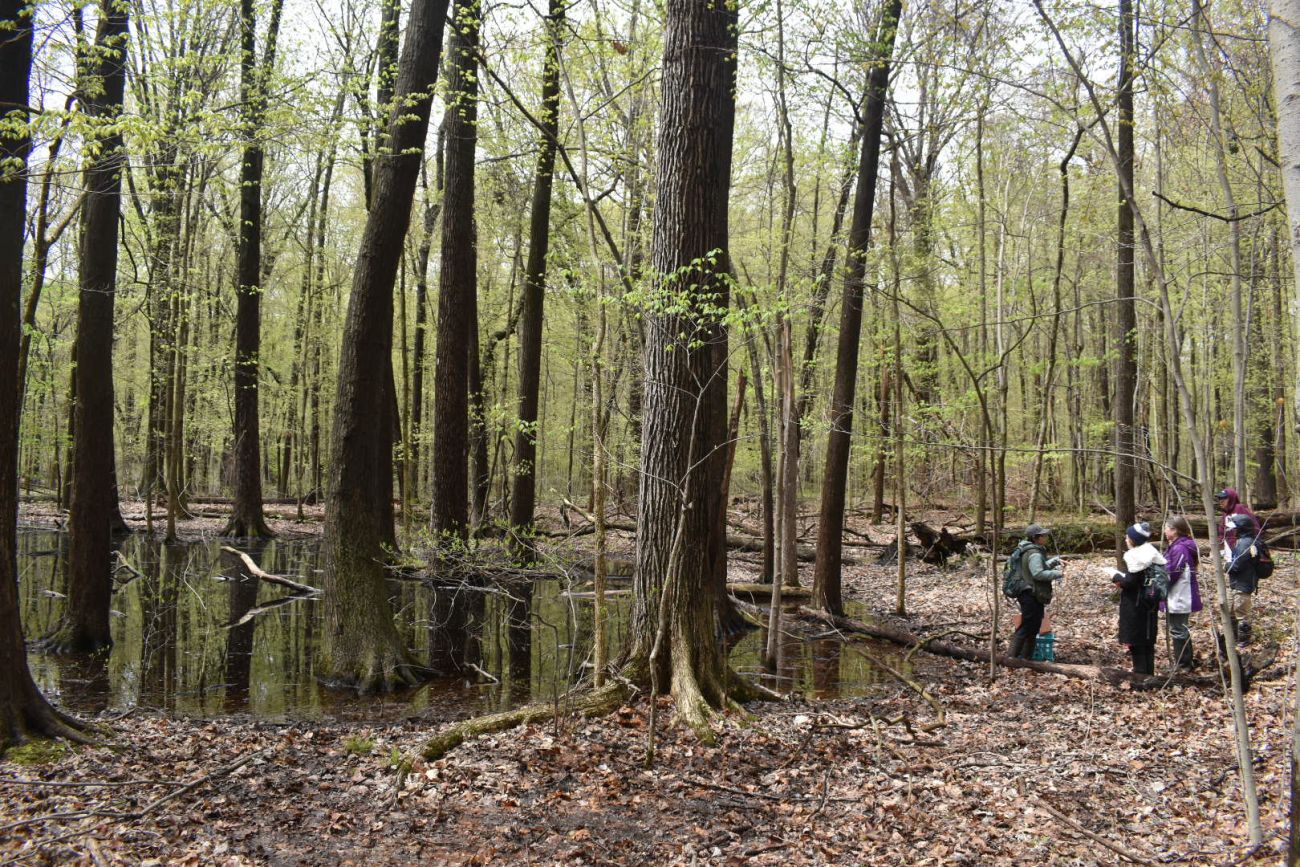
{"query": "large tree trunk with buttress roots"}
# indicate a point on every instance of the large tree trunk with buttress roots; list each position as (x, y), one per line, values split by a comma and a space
(679, 551)
(362, 647)
(85, 621)
(23, 710)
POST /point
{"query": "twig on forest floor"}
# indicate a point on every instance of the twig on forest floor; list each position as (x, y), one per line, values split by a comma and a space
(1123, 852)
(15, 781)
(80, 832)
(787, 799)
(826, 789)
(148, 808)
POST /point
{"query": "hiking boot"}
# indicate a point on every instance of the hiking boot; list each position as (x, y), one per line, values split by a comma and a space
(1243, 633)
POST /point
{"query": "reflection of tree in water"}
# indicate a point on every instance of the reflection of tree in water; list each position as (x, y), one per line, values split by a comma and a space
(519, 641)
(826, 668)
(163, 565)
(242, 597)
(455, 624)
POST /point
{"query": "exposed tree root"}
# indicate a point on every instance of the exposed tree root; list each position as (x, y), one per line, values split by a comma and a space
(586, 702)
(243, 527)
(37, 718)
(382, 677)
(67, 640)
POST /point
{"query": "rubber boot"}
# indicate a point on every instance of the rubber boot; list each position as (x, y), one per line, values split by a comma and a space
(1243, 633)
(1183, 657)
(1144, 661)
(1017, 644)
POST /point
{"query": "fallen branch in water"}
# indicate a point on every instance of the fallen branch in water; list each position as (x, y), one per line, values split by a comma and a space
(262, 575)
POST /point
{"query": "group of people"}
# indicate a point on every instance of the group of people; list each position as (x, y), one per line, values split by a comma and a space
(1139, 616)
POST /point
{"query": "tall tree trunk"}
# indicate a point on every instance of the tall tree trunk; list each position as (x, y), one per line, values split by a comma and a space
(246, 511)
(830, 529)
(523, 496)
(457, 283)
(23, 710)
(432, 207)
(362, 647)
(1126, 307)
(1284, 54)
(674, 620)
(85, 621)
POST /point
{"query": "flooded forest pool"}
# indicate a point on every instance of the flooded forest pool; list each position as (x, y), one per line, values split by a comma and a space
(176, 650)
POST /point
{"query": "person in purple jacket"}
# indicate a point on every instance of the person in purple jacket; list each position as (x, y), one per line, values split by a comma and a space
(1184, 599)
(1229, 503)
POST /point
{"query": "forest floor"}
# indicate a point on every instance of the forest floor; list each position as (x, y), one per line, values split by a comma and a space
(1028, 769)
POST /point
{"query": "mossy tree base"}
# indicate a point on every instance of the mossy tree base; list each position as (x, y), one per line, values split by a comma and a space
(27, 717)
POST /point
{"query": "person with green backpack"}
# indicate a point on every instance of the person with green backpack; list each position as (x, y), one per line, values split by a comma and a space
(1243, 566)
(1028, 580)
(1143, 584)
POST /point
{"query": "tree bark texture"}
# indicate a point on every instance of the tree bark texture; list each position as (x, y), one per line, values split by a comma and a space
(680, 551)
(1284, 54)
(85, 624)
(457, 282)
(524, 494)
(362, 647)
(246, 513)
(23, 710)
(830, 529)
(1125, 308)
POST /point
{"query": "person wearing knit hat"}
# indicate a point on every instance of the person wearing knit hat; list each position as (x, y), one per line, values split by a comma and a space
(1139, 621)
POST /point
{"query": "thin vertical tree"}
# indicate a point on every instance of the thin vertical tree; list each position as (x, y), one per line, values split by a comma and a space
(362, 647)
(532, 303)
(246, 517)
(23, 710)
(85, 625)
(457, 280)
(830, 529)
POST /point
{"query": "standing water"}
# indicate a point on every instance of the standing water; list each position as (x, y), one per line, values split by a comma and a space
(192, 638)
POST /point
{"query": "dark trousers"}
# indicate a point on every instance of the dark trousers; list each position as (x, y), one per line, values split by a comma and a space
(1031, 620)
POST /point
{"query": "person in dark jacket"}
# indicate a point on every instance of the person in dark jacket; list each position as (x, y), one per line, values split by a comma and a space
(1139, 621)
(1241, 575)
(1229, 504)
(1181, 558)
(1037, 572)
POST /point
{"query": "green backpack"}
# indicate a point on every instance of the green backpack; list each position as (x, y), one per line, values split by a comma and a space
(1155, 587)
(1012, 584)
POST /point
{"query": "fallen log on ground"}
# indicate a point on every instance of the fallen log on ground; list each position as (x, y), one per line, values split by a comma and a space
(764, 591)
(589, 703)
(1252, 664)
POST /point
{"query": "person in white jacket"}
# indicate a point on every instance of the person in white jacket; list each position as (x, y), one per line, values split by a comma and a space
(1139, 620)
